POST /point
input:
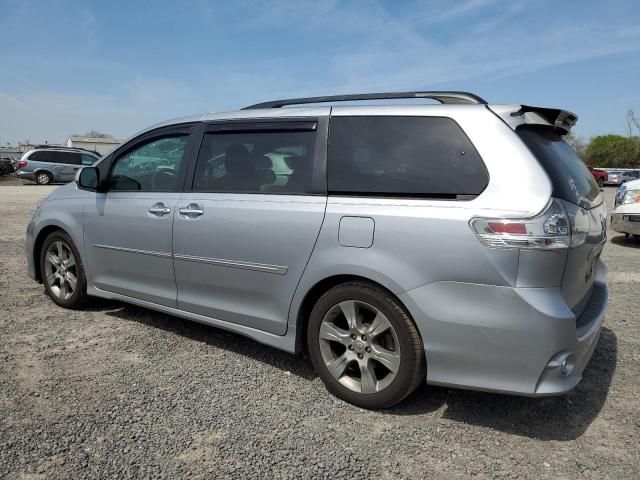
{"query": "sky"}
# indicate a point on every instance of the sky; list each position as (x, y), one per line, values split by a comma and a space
(119, 66)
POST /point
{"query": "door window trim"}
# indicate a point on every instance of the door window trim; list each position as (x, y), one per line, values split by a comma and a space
(184, 130)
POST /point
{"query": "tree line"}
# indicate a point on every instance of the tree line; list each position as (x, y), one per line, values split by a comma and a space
(614, 151)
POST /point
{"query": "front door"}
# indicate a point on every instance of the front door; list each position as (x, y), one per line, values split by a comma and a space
(128, 236)
(244, 232)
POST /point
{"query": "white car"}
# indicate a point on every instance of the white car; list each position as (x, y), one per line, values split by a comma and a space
(626, 213)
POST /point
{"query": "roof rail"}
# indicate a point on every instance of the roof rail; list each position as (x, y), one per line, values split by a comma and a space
(442, 97)
(62, 147)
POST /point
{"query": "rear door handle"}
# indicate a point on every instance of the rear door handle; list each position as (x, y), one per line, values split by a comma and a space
(192, 210)
(159, 209)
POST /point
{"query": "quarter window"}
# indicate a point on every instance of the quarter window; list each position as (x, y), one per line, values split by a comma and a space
(403, 156)
(255, 162)
(152, 167)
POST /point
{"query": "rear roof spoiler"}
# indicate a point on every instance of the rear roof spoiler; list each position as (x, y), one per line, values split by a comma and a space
(518, 115)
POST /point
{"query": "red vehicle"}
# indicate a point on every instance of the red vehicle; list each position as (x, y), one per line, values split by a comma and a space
(600, 175)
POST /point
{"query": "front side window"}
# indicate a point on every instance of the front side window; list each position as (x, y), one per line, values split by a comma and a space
(427, 157)
(152, 167)
(255, 162)
(88, 159)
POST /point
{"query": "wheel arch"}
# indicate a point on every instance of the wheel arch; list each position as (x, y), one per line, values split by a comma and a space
(37, 246)
(319, 288)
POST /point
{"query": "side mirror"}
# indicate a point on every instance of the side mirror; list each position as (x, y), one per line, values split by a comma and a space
(87, 178)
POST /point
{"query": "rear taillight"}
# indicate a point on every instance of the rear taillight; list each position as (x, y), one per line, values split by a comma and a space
(22, 164)
(560, 225)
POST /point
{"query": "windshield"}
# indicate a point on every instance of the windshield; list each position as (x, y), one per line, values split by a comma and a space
(572, 181)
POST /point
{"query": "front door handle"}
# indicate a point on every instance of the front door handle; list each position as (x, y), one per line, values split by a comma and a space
(192, 210)
(159, 209)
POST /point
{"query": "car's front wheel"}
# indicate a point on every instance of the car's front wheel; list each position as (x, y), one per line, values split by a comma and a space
(365, 346)
(62, 271)
(601, 182)
(43, 178)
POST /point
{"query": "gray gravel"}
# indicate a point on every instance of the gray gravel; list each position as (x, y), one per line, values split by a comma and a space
(117, 391)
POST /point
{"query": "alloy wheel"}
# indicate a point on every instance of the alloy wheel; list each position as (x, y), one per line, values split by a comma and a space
(359, 346)
(61, 270)
(43, 178)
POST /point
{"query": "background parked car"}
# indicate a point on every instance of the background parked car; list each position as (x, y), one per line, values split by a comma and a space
(600, 175)
(614, 178)
(625, 217)
(618, 177)
(54, 164)
(629, 176)
(7, 165)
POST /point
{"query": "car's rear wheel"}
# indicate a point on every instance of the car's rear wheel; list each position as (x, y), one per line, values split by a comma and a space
(43, 178)
(62, 271)
(601, 182)
(364, 345)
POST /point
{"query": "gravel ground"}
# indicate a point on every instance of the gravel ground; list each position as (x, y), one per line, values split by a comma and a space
(118, 391)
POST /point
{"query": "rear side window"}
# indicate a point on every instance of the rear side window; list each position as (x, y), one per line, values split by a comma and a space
(403, 156)
(571, 179)
(51, 156)
(41, 156)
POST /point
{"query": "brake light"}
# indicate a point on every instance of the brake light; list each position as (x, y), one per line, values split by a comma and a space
(560, 225)
(22, 164)
(507, 227)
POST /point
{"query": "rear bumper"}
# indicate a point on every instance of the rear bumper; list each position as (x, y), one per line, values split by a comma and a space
(25, 175)
(622, 223)
(504, 339)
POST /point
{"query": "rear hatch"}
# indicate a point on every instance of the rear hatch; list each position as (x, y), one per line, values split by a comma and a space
(573, 184)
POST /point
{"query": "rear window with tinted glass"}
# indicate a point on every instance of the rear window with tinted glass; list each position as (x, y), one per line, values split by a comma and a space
(571, 179)
(52, 156)
(427, 157)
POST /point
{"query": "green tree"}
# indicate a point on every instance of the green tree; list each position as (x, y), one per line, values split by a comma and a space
(613, 151)
(578, 144)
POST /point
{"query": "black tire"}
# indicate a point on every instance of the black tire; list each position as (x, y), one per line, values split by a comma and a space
(43, 178)
(79, 296)
(601, 182)
(412, 368)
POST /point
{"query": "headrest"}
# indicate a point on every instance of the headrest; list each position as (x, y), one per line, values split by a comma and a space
(237, 160)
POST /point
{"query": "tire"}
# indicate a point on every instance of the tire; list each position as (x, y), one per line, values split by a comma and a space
(339, 358)
(57, 275)
(44, 178)
(601, 182)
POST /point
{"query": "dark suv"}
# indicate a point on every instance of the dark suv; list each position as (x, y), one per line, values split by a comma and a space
(54, 164)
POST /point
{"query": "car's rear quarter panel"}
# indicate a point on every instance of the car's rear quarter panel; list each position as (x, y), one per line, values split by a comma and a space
(461, 294)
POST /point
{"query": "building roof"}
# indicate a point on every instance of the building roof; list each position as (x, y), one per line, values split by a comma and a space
(74, 138)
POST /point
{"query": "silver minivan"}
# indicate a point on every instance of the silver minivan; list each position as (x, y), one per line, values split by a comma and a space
(391, 243)
(45, 165)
